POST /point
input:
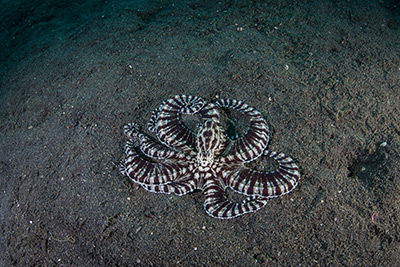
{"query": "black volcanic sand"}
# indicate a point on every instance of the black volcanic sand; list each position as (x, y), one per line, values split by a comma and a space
(325, 74)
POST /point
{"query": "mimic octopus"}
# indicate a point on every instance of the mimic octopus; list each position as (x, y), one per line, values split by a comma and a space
(176, 159)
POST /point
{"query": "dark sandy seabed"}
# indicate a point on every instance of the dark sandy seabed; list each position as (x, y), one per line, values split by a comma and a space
(325, 74)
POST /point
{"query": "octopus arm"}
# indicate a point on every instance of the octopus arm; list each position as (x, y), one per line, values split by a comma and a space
(218, 206)
(252, 144)
(148, 146)
(266, 184)
(143, 170)
(167, 122)
(180, 188)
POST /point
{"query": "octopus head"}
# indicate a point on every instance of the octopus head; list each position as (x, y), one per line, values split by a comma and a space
(205, 158)
(209, 141)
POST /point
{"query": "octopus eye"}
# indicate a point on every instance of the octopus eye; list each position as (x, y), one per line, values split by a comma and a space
(205, 158)
(204, 163)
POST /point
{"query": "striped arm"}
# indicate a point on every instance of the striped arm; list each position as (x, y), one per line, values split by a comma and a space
(266, 184)
(169, 128)
(178, 188)
(217, 206)
(152, 124)
(147, 146)
(255, 140)
(145, 171)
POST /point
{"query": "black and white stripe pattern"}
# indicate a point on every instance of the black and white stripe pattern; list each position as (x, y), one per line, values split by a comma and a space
(182, 160)
(179, 188)
(169, 128)
(217, 206)
(148, 147)
(266, 184)
(255, 141)
(144, 171)
(210, 141)
(152, 124)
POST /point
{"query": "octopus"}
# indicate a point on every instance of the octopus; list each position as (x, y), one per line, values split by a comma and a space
(174, 158)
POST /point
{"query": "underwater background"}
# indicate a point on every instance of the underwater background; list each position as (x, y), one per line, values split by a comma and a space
(324, 74)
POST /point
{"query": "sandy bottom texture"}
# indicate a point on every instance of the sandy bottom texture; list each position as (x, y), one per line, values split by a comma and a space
(325, 74)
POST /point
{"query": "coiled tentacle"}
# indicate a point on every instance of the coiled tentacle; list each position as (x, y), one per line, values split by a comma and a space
(255, 140)
(147, 146)
(148, 163)
(216, 204)
(266, 184)
(168, 126)
(180, 188)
